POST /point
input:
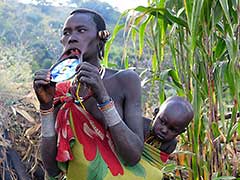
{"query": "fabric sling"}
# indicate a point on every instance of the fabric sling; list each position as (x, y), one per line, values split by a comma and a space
(86, 150)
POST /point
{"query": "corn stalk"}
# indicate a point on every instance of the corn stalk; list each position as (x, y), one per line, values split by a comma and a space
(201, 40)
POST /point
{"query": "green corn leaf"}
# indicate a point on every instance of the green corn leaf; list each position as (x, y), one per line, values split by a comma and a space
(220, 49)
(175, 78)
(225, 7)
(141, 35)
(218, 13)
(230, 78)
(164, 14)
(224, 178)
(175, 19)
(134, 35)
(117, 28)
(141, 9)
(232, 127)
(215, 130)
(238, 129)
(168, 168)
(220, 27)
(126, 65)
(112, 65)
(154, 63)
(231, 47)
(195, 16)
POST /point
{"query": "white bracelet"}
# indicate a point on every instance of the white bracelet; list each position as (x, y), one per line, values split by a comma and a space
(48, 125)
(111, 116)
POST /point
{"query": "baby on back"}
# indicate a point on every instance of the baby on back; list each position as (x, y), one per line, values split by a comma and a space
(170, 120)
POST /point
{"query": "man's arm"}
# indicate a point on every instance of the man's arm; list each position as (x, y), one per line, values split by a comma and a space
(48, 153)
(128, 134)
(45, 91)
(49, 143)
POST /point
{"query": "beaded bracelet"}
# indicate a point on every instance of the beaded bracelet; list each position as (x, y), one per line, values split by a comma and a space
(48, 111)
(108, 104)
(105, 102)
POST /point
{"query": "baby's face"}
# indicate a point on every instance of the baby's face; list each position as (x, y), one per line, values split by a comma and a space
(169, 122)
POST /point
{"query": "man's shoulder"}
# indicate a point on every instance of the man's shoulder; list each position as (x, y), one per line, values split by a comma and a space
(127, 75)
(124, 79)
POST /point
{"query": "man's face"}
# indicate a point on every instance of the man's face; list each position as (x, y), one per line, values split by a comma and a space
(80, 33)
(169, 122)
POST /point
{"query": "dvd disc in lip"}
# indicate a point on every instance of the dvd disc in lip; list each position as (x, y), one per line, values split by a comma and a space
(64, 69)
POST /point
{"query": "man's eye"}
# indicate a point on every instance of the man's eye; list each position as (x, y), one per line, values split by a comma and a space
(66, 33)
(81, 30)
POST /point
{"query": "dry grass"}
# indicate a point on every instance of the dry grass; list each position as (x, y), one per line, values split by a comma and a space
(20, 131)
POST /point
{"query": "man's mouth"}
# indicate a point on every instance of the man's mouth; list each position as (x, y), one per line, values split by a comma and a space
(72, 52)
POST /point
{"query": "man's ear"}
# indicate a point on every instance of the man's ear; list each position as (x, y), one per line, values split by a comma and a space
(61, 41)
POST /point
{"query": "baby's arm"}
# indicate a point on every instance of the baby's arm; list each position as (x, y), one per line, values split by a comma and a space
(168, 146)
(147, 126)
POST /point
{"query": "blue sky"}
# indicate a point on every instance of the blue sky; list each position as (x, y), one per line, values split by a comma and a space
(120, 4)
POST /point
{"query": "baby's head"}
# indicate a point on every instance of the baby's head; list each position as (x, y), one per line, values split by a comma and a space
(172, 119)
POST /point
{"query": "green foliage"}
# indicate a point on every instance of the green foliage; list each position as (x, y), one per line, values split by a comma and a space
(15, 69)
(202, 37)
(38, 27)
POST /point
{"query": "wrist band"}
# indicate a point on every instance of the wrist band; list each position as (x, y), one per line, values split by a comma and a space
(48, 111)
(48, 125)
(111, 116)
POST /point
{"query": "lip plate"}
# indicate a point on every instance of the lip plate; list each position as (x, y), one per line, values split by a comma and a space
(64, 69)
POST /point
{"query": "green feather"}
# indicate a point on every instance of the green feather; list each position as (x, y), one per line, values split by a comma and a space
(137, 170)
(97, 169)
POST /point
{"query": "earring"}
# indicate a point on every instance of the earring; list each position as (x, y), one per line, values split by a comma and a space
(104, 35)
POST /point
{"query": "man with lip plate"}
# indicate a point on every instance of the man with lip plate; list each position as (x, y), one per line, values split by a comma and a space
(92, 126)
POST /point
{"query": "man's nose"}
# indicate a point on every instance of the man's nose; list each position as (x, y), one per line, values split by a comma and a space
(73, 38)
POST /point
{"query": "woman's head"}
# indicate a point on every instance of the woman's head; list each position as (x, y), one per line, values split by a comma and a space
(85, 30)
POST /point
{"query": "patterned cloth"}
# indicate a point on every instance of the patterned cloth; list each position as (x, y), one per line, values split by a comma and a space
(85, 148)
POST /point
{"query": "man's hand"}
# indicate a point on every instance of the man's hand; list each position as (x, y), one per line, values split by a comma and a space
(89, 74)
(44, 88)
(169, 146)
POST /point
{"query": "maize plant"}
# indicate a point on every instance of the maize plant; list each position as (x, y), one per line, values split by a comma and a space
(193, 46)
